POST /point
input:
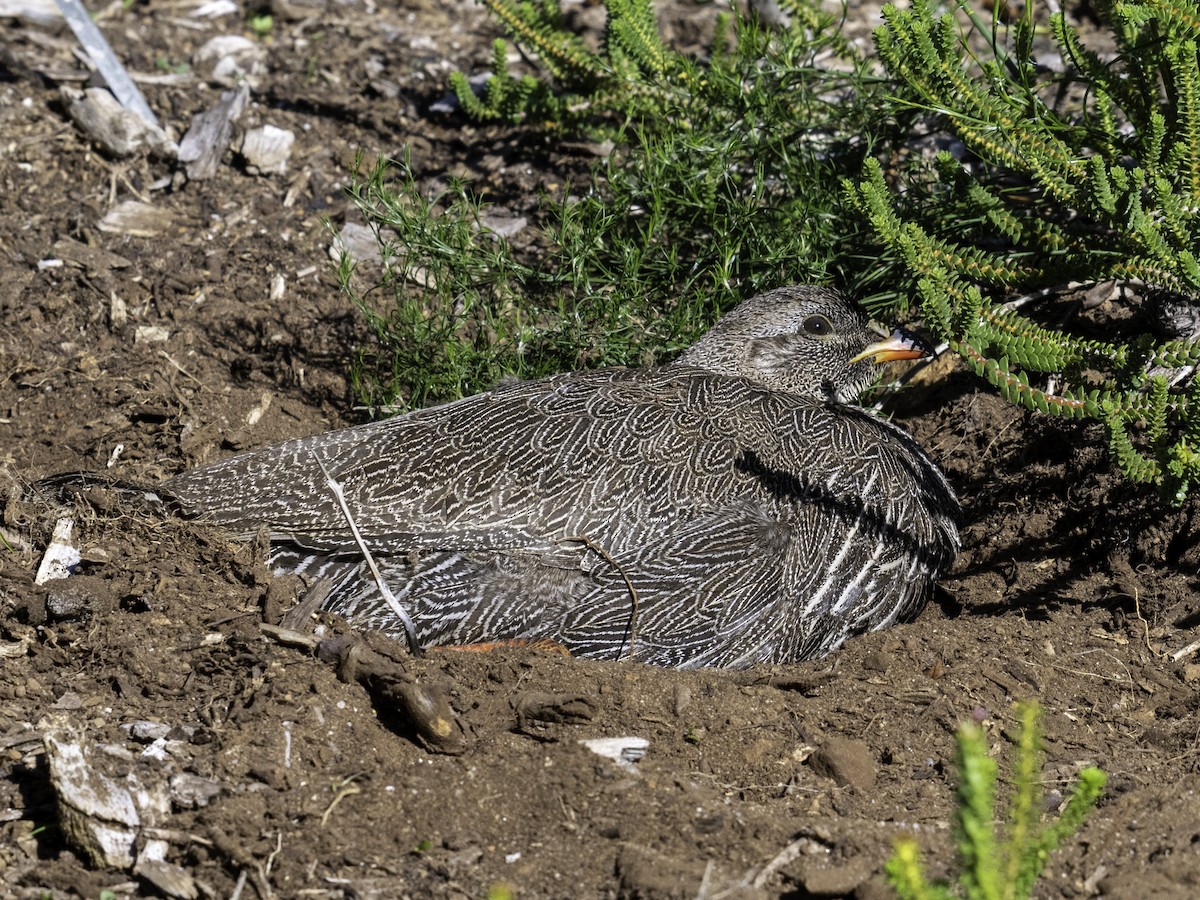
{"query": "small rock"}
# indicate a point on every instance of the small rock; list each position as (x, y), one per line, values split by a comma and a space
(267, 149)
(167, 878)
(358, 242)
(190, 791)
(146, 732)
(150, 334)
(69, 599)
(68, 701)
(848, 762)
(231, 59)
(834, 881)
(624, 751)
(118, 131)
(503, 225)
(877, 661)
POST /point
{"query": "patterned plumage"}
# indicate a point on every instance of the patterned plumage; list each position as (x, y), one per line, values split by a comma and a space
(723, 510)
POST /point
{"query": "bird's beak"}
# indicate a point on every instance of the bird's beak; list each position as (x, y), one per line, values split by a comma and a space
(901, 345)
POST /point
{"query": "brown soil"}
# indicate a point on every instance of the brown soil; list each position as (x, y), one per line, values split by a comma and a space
(1073, 588)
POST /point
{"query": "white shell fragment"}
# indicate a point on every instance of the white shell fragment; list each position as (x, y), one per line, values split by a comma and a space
(267, 149)
(61, 554)
(624, 751)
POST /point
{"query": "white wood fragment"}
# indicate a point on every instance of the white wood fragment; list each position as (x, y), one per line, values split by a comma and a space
(208, 136)
(215, 10)
(102, 815)
(118, 310)
(105, 61)
(1186, 651)
(61, 554)
(255, 415)
(31, 12)
(137, 219)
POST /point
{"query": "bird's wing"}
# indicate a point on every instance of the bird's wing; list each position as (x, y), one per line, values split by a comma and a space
(522, 466)
(710, 592)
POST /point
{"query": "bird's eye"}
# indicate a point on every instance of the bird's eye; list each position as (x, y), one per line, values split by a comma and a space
(818, 325)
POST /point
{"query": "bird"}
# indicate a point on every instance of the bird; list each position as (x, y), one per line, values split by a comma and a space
(729, 508)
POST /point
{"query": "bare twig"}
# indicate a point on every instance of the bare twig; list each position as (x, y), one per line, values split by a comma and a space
(1186, 651)
(633, 596)
(1137, 610)
(410, 629)
(346, 789)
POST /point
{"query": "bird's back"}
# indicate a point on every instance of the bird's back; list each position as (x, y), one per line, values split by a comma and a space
(681, 517)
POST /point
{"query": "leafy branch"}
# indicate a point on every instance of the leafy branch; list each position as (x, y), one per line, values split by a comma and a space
(996, 864)
(632, 72)
(723, 182)
(1103, 188)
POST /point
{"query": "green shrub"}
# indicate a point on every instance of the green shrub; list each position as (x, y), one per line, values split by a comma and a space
(724, 181)
(1088, 175)
(994, 866)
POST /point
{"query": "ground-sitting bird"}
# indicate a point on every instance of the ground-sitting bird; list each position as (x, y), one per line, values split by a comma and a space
(727, 509)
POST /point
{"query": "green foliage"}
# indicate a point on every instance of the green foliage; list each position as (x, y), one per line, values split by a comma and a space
(1102, 186)
(730, 188)
(631, 72)
(260, 25)
(994, 866)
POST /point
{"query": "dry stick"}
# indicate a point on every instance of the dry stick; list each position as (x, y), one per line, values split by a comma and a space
(791, 852)
(240, 886)
(410, 629)
(1137, 609)
(633, 597)
(102, 56)
(346, 789)
(1186, 651)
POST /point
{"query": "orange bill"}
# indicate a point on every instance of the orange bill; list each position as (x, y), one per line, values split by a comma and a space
(901, 345)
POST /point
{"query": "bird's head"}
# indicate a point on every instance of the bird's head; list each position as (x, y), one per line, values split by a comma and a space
(803, 339)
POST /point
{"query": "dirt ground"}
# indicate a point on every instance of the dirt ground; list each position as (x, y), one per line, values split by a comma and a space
(218, 326)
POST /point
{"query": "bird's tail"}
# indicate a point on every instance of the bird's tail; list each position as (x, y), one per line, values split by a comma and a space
(66, 486)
